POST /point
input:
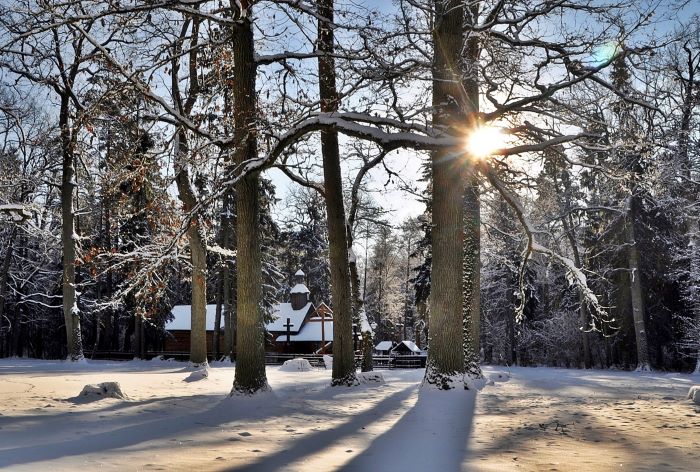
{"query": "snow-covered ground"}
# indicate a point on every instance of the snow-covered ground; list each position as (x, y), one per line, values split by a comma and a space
(540, 419)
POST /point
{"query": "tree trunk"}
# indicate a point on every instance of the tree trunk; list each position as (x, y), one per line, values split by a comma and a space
(230, 320)
(367, 349)
(583, 307)
(198, 255)
(218, 316)
(3, 285)
(250, 374)
(71, 313)
(343, 354)
(138, 337)
(635, 278)
(471, 276)
(446, 353)
(472, 208)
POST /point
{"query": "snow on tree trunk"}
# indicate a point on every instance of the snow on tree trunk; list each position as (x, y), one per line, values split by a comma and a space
(471, 304)
(71, 313)
(250, 376)
(343, 353)
(637, 297)
(445, 366)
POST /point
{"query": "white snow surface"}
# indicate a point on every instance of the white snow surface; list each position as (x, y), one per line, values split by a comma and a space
(296, 365)
(182, 320)
(541, 419)
(284, 311)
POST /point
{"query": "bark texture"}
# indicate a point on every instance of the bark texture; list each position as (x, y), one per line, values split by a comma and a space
(198, 256)
(71, 313)
(343, 353)
(250, 374)
(446, 352)
(636, 295)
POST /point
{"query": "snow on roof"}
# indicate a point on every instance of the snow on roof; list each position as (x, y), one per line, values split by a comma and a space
(300, 272)
(282, 311)
(384, 346)
(311, 332)
(299, 288)
(183, 318)
(409, 344)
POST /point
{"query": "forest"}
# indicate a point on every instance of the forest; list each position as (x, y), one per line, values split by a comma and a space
(545, 154)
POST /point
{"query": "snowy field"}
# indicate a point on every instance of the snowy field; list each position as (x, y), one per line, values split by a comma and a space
(539, 419)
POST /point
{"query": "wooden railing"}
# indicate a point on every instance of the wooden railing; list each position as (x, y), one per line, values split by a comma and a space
(274, 358)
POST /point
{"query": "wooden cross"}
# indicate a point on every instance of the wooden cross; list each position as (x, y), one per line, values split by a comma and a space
(288, 326)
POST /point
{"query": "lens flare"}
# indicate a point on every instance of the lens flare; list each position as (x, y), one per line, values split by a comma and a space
(484, 141)
(604, 53)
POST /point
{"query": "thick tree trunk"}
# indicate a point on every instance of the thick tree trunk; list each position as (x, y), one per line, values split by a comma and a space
(636, 295)
(446, 353)
(343, 354)
(250, 374)
(472, 209)
(71, 313)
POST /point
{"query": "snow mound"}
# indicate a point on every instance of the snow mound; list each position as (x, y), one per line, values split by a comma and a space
(103, 390)
(370, 378)
(328, 361)
(162, 358)
(199, 372)
(471, 383)
(499, 376)
(296, 365)
(694, 394)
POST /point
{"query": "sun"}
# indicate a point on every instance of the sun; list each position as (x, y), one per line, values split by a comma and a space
(484, 140)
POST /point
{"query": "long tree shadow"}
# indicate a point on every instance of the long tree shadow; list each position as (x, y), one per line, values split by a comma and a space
(308, 445)
(433, 435)
(137, 426)
(140, 428)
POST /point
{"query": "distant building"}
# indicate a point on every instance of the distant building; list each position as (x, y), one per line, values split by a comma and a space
(406, 348)
(300, 327)
(384, 348)
(177, 339)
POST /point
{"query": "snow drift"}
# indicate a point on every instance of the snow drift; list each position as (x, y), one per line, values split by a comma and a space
(296, 365)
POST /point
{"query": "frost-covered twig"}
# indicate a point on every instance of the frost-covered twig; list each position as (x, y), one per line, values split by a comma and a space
(575, 274)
